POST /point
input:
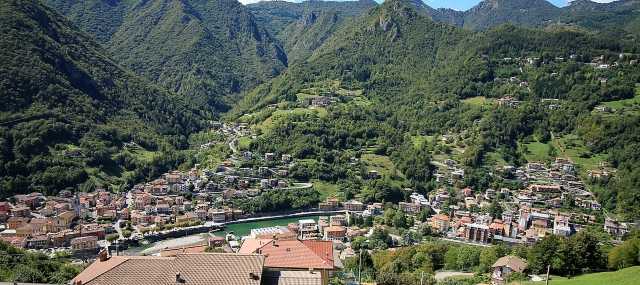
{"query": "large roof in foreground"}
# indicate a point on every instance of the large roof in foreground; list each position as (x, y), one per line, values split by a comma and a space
(197, 269)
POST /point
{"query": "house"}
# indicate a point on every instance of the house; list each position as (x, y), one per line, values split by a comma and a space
(23, 212)
(338, 220)
(38, 242)
(269, 156)
(278, 232)
(217, 215)
(615, 228)
(329, 204)
(508, 101)
(440, 223)
(16, 222)
(294, 255)
(307, 228)
(335, 233)
(506, 266)
(216, 241)
(353, 205)
(477, 233)
(320, 101)
(545, 188)
(201, 268)
(561, 226)
(189, 217)
(84, 243)
(410, 208)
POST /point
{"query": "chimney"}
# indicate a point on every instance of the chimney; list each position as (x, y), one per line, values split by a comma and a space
(179, 278)
(103, 255)
(253, 276)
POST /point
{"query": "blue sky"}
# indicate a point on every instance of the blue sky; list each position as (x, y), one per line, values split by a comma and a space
(466, 4)
(453, 4)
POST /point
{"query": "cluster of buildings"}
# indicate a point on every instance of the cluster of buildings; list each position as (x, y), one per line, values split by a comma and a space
(35, 221)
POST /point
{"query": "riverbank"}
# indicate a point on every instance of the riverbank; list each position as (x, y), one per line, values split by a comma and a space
(241, 227)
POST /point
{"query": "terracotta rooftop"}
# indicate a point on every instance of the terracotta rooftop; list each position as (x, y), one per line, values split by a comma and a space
(197, 269)
(295, 254)
(251, 245)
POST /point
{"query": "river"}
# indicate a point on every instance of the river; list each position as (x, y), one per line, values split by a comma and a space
(239, 229)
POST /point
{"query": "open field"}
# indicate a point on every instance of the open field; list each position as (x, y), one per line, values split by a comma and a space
(326, 189)
(537, 151)
(627, 276)
(620, 104)
(568, 146)
(573, 147)
(379, 163)
(477, 101)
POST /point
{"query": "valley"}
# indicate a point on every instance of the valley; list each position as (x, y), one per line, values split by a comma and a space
(392, 143)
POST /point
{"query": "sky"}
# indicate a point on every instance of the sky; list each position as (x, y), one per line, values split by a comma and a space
(453, 4)
(466, 4)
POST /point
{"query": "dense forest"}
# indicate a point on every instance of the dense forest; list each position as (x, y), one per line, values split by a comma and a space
(67, 109)
(204, 50)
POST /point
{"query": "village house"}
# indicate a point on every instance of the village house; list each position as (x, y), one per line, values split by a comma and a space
(338, 220)
(153, 270)
(561, 226)
(294, 255)
(477, 233)
(615, 228)
(320, 101)
(353, 205)
(87, 243)
(440, 223)
(504, 267)
(410, 208)
(277, 232)
(335, 233)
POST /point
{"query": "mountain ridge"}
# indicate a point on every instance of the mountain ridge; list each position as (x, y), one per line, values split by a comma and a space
(61, 94)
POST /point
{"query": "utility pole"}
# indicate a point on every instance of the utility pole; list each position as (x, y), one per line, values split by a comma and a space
(421, 277)
(360, 268)
(547, 279)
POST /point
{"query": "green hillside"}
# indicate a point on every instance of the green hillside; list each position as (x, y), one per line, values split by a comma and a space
(414, 76)
(207, 50)
(529, 13)
(303, 27)
(67, 109)
(627, 276)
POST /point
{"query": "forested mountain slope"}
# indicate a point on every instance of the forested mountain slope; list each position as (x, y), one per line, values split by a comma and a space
(66, 109)
(395, 75)
(203, 49)
(617, 17)
(99, 18)
(303, 27)
(490, 13)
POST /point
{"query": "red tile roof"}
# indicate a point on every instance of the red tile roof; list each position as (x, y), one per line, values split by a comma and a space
(297, 254)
